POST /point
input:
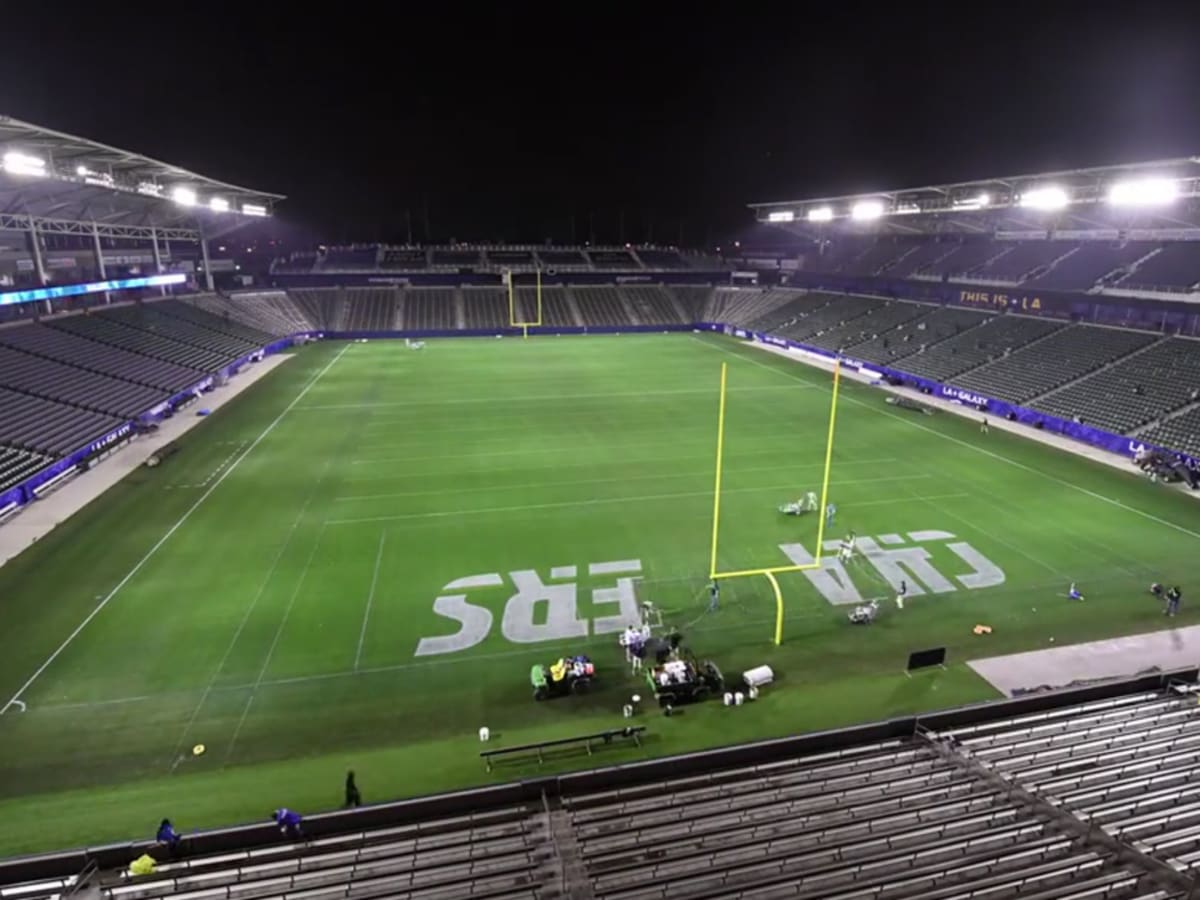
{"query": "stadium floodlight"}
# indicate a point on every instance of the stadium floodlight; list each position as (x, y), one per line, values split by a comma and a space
(976, 202)
(784, 215)
(184, 196)
(1144, 192)
(149, 188)
(253, 209)
(218, 204)
(906, 209)
(1047, 198)
(82, 171)
(17, 163)
(821, 214)
(865, 210)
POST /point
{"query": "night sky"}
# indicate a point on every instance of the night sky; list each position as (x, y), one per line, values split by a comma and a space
(610, 122)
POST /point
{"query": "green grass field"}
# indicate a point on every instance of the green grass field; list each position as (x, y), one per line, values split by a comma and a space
(265, 590)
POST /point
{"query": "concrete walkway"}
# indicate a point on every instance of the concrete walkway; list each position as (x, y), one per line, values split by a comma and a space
(1122, 657)
(38, 519)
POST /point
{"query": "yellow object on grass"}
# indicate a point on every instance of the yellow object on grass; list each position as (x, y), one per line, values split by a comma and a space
(198, 750)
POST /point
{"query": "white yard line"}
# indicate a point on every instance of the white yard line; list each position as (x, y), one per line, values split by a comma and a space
(166, 537)
(657, 476)
(600, 501)
(985, 452)
(287, 613)
(370, 599)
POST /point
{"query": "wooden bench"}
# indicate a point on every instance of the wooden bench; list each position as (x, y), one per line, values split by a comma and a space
(633, 732)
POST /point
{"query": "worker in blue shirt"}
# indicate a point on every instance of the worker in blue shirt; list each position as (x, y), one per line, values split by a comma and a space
(168, 836)
(288, 821)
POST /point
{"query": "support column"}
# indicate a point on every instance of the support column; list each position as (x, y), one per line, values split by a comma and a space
(99, 251)
(39, 264)
(158, 267)
(208, 279)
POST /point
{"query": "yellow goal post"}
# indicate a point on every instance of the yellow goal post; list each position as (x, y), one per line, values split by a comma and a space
(771, 571)
(512, 305)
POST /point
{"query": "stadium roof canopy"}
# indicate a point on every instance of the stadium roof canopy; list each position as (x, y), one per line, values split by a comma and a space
(72, 185)
(1159, 195)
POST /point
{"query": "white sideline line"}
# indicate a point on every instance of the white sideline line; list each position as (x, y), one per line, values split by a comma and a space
(601, 501)
(658, 476)
(179, 522)
(989, 453)
(532, 398)
(370, 599)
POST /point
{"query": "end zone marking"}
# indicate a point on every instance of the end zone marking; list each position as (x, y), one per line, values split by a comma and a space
(166, 537)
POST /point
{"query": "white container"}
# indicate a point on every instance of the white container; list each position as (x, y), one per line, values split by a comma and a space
(484, 734)
(739, 698)
(728, 698)
(628, 710)
(759, 676)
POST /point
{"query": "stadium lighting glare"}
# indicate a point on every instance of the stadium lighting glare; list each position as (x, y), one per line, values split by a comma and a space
(184, 196)
(906, 209)
(785, 215)
(821, 214)
(17, 163)
(977, 202)
(218, 204)
(82, 171)
(1144, 192)
(149, 188)
(1048, 198)
(253, 209)
(865, 210)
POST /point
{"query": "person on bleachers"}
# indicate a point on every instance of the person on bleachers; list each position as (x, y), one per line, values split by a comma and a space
(289, 822)
(168, 836)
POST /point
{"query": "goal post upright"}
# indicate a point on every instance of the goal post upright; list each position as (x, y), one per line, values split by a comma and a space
(524, 325)
(771, 571)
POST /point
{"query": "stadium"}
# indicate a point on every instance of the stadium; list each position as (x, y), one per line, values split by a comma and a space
(262, 529)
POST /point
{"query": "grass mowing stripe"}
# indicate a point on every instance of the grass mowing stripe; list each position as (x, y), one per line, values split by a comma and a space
(370, 599)
(655, 476)
(598, 501)
(274, 643)
(539, 398)
(170, 531)
(989, 453)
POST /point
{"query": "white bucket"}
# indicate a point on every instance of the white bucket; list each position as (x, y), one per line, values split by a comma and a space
(739, 698)
(759, 676)
(728, 698)
(484, 734)
(628, 710)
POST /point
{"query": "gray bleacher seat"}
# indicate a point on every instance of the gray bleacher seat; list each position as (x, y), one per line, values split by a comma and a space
(988, 341)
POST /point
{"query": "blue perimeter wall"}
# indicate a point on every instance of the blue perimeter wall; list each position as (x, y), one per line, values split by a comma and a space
(1115, 443)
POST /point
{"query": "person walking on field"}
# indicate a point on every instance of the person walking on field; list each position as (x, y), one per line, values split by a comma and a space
(353, 797)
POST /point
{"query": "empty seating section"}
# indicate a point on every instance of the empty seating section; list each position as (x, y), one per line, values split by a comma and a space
(964, 259)
(1175, 267)
(612, 259)
(371, 309)
(555, 309)
(1126, 766)
(485, 855)
(865, 328)
(485, 307)
(935, 324)
(1064, 356)
(1018, 259)
(53, 343)
(734, 306)
(835, 312)
(223, 324)
(429, 308)
(890, 820)
(879, 256)
(454, 258)
(212, 349)
(271, 311)
(1179, 433)
(401, 258)
(568, 258)
(600, 306)
(44, 426)
(694, 302)
(652, 305)
(17, 465)
(1133, 392)
(1091, 261)
(78, 387)
(661, 259)
(340, 259)
(320, 306)
(993, 339)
